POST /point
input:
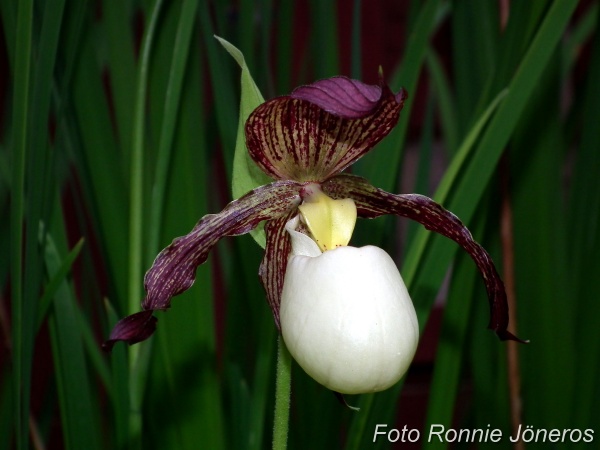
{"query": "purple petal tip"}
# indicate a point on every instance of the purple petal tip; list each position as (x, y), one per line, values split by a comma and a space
(401, 96)
(506, 335)
(132, 329)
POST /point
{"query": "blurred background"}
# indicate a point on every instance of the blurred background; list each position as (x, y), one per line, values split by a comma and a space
(117, 133)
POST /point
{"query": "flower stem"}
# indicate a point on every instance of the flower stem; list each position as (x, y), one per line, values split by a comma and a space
(283, 381)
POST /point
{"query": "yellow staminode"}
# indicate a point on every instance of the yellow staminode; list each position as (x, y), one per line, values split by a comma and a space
(331, 222)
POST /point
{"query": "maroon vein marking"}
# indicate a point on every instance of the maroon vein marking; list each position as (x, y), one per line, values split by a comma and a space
(174, 268)
(274, 263)
(292, 138)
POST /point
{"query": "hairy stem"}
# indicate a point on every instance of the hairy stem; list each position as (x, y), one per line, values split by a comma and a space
(283, 381)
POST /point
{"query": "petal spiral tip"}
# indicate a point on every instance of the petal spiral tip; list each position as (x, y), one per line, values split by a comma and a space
(132, 329)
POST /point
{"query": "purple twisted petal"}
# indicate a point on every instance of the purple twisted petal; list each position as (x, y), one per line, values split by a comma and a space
(174, 269)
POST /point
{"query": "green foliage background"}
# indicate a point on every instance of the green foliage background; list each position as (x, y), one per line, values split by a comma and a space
(118, 133)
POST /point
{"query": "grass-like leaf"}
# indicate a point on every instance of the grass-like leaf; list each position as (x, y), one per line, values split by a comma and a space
(77, 408)
(450, 354)
(384, 163)
(451, 178)
(475, 178)
(170, 115)
(137, 357)
(57, 279)
(22, 339)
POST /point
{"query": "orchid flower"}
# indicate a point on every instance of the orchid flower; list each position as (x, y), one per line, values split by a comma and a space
(344, 313)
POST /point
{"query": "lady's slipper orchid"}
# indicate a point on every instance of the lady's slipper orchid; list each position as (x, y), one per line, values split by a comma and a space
(304, 141)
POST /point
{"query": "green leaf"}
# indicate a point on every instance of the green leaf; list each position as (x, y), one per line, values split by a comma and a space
(95, 150)
(183, 379)
(225, 109)
(476, 30)
(22, 339)
(55, 282)
(121, 64)
(171, 114)
(246, 174)
(138, 361)
(445, 100)
(451, 178)
(325, 50)
(384, 163)
(76, 404)
(284, 45)
(584, 245)
(475, 178)
(452, 346)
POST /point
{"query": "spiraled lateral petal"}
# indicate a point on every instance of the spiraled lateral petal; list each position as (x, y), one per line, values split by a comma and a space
(373, 202)
(321, 131)
(273, 265)
(174, 269)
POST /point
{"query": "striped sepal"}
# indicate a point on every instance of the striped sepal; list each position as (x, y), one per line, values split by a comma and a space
(174, 269)
(373, 202)
(274, 263)
(298, 139)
